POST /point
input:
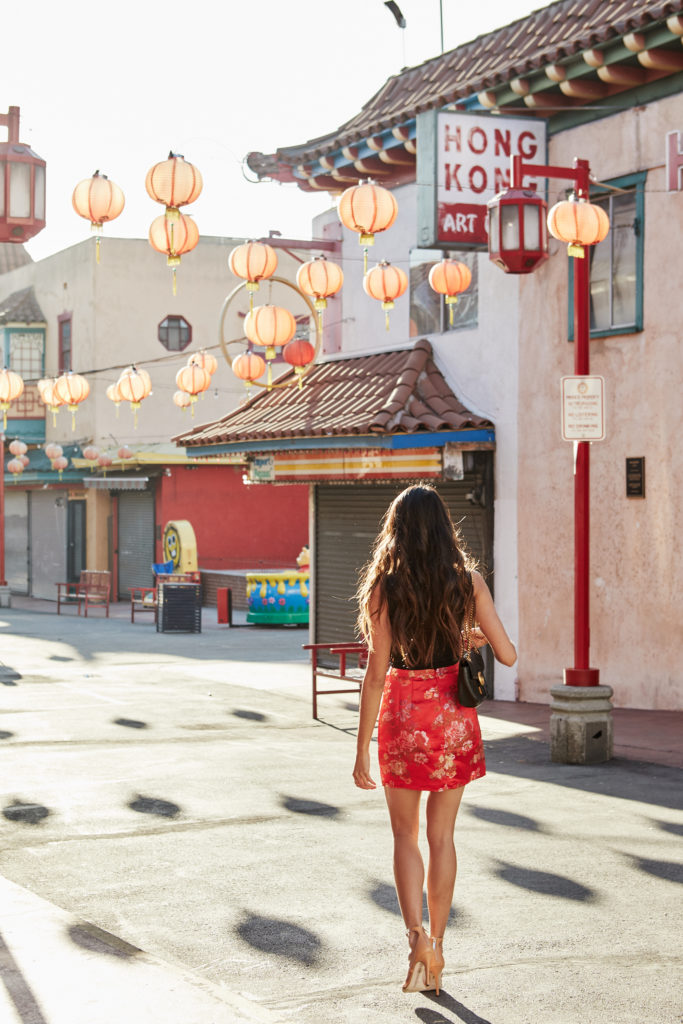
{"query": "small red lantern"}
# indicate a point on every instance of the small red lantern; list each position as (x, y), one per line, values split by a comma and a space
(72, 389)
(450, 278)
(253, 262)
(125, 453)
(18, 448)
(15, 467)
(248, 366)
(270, 327)
(22, 185)
(104, 462)
(518, 239)
(114, 395)
(98, 200)
(47, 389)
(52, 450)
(24, 460)
(321, 278)
(11, 387)
(367, 208)
(385, 283)
(299, 354)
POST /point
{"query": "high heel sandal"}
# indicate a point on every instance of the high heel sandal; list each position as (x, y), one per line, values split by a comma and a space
(438, 961)
(420, 964)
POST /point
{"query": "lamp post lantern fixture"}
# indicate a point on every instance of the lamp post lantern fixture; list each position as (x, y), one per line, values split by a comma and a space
(518, 244)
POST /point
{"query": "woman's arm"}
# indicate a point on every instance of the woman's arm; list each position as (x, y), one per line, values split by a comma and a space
(491, 626)
(379, 646)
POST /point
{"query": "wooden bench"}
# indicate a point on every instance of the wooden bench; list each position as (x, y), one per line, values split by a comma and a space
(341, 671)
(92, 589)
(144, 599)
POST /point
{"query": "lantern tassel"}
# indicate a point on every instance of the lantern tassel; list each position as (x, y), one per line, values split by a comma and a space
(73, 420)
(269, 380)
(320, 321)
(175, 286)
(97, 250)
(386, 320)
(365, 260)
(576, 250)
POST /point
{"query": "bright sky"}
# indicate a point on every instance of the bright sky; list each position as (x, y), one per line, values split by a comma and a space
(115, 86)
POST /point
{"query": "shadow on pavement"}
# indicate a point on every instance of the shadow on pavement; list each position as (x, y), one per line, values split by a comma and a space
(653, 784)
(130, 723)
(292, 803)
(445, 1002)
(674, 827)
(94, 939)
(152, 805)
(384, 896)
(545, 882)
(25, 1003)
(5, 735)
(27, 814)
(508, 818)
(273, 935)
(669, 870)
(251, 716)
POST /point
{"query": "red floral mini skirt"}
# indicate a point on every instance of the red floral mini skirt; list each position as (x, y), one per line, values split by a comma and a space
(427, 739)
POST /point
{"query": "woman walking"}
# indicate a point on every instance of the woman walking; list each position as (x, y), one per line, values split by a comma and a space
(418, 597)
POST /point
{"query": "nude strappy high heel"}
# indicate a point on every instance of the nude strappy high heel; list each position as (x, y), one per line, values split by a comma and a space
(420, 963)
(438, 962)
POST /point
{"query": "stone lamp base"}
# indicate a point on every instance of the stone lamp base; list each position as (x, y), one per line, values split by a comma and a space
(581, 724)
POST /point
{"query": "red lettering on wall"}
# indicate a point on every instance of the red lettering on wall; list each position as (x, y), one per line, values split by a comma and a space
(674, 162)
(451, 178)
(454, 137)
(501, 180)
(478, 179)
(479, 134)
(501, 142)
(526, 146)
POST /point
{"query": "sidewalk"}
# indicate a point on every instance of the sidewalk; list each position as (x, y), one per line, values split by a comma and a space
(171, 794)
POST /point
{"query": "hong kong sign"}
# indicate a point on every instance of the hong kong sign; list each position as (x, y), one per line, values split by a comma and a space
(463, 161)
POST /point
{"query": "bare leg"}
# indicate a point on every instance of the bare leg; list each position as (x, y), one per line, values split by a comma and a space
(404, 811)
(442, 809)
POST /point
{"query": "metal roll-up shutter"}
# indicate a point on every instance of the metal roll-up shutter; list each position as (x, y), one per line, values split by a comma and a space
(135, 541)
(348, 518)
(16, 541)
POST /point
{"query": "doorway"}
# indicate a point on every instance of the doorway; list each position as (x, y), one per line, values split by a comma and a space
(75, 540)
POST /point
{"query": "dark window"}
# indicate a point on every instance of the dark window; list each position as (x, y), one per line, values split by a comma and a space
(175, 333)
(429, 312)
(64, 326)
(616, 264)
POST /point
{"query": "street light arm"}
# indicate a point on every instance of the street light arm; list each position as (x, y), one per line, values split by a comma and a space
(580, 173)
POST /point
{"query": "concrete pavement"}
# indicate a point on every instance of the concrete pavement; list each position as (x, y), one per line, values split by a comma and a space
(181, 843)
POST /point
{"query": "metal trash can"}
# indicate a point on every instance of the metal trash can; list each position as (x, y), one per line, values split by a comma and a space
(179, 608)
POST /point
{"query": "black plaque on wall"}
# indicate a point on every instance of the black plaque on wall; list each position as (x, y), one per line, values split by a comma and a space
(635, 477)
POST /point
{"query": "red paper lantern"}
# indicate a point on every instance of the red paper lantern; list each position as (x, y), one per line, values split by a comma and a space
(175, 237)
(15, 467)
(134, 386)
(11, 387)
(385, 283)
(52, 450)
(60, 464)
(182, 399)
(124, 452)
(579, 223)
(193, 380)
(98, 200)
(47, 389)
(320, 278)
(299, 353)
(204, 359)
(17, 448)
(72, 389)
(249, 366)
(174, 182)
(450, 278)
(90, 453)
(253, 262)
(367, 209)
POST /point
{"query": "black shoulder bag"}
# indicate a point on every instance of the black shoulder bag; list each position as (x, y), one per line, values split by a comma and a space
(472, 689)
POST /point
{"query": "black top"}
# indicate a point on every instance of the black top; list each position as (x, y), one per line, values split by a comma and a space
(443, 656)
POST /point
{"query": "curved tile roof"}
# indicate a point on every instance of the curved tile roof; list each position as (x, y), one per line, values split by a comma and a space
(387, 393)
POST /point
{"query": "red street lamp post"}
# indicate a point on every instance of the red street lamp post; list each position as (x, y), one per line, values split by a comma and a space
(518, 244)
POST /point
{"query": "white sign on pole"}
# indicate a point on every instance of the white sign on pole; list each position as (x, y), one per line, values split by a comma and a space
(473, 164)
(583, 408)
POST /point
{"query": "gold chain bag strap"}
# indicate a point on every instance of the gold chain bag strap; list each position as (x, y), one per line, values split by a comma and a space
(472, 688)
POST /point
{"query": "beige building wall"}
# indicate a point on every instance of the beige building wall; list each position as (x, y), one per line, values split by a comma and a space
(636, 567)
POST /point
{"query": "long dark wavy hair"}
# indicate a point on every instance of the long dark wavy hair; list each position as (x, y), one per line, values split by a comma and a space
(424, 578)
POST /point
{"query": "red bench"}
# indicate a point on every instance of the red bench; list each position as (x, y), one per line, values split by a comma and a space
(92, 589)
(341, 671)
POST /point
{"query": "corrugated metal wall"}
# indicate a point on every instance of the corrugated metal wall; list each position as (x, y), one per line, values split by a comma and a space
(348, 518)
(135, 541)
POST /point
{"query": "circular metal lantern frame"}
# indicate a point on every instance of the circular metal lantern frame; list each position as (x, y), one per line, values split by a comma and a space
(238, 341)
